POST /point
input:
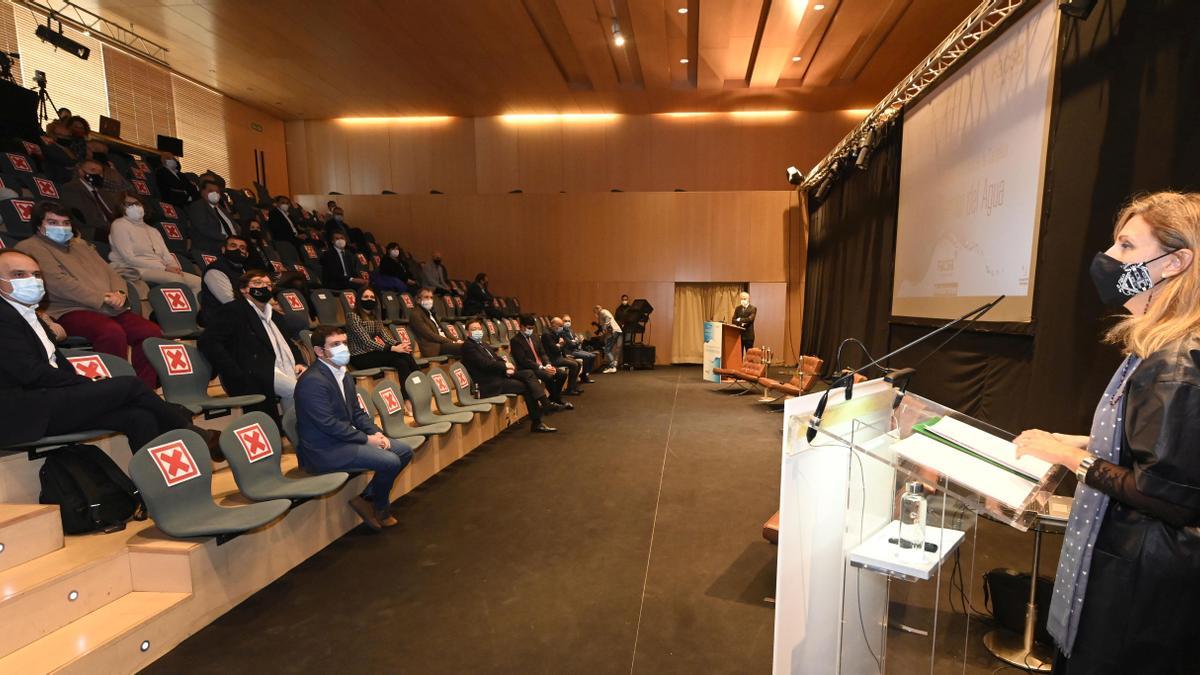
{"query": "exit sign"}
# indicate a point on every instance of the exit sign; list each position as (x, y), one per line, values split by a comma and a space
(256, 126)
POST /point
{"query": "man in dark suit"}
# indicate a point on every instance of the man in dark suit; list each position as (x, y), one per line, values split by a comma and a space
(209, 223)
(743, 317)
(173, 187)
(336, 222)
(556, 346)
(339, 266)
(432, 340)
(280, 223)
(528, 354)
(246, 346)
(573, 347)
(337, 434)
(494, 375)
(42, 393)
(96, 207)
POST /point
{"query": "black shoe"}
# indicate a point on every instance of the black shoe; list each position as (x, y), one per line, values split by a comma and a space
(586, 380)
(574, 392)
(541, 428)
(567, 406)
(552, 407)
(212, 438)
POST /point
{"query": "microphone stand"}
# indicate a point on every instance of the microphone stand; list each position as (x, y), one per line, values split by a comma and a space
(847, 380)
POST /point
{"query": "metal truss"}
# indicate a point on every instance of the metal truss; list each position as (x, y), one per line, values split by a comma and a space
(983, 21)
(97, 26)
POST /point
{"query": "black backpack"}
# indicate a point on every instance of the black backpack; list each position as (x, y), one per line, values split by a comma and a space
(91, 491)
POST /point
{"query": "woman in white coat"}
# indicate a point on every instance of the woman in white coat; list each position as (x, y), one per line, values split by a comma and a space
(138, 245)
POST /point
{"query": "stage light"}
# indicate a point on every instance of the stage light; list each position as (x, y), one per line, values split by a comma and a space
(1077, 9)
(62, 41)
(824, 188)
(794, 176)
(864, 150)
(618, 38)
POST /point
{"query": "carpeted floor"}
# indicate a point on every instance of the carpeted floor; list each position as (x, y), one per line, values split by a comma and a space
(628, 542)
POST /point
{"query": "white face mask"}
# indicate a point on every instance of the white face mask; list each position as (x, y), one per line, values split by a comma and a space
(135, 212)
(427, 303)
(528, 332)
(28, 290)
(340, 243)
(214, 197)
(566, 324)
(171, 164)
(394, 253)
(745, 303)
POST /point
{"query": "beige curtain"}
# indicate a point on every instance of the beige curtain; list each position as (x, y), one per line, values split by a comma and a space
(695, 304)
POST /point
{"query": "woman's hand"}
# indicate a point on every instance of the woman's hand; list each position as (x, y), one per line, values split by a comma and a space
(1080, 442)
(1048, 447)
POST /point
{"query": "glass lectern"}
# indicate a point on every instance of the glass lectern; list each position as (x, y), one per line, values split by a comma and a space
(903, 609)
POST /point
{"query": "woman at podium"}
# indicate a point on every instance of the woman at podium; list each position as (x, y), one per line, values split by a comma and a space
(1127, 591)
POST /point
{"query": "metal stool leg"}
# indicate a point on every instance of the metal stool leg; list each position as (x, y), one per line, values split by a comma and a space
(1021, 650)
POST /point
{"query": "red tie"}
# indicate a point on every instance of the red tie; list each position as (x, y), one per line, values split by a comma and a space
(534, 350)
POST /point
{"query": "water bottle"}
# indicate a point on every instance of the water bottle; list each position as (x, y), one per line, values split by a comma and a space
(912, 521)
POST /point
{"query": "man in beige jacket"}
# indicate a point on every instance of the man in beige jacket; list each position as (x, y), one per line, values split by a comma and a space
(86, 296)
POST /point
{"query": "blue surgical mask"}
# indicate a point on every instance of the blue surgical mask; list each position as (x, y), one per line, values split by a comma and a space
(339, 355)
(528, 332)
(59, 233)
(477, 335)
(28, 290)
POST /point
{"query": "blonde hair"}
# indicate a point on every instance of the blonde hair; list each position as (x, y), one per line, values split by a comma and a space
(1173, 312)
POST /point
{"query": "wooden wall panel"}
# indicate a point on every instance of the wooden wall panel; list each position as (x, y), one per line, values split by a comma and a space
(771, 301)
(246, 130)
(634, 153)
(567, 252)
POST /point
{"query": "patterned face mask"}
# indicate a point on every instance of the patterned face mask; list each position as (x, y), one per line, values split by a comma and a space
(1116, 281)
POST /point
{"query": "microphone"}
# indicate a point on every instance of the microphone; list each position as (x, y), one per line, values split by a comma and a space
(847, 380)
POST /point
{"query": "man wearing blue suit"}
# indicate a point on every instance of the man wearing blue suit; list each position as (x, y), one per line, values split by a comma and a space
(336, 434)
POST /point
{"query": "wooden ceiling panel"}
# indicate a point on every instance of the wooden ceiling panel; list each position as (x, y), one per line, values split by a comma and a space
(312, 60)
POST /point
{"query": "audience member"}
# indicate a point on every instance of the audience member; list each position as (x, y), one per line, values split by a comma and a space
(244, 341)
(78, 130)
(336, 222)
(339, 265)
(611, 332)
(393, 273)
(85, 195)
(743, 317)
(371, 343)
(527, 354)
(573, 347)
(43, 394)
(280, 222)
(137, 245)
(432, 340)
(554, 342)
(494, 375)
(433, 275)
(258, 243)
(479, 300)
(172, 187)
(114, 181)
(86, 295)
(221, 278)
(209, 221)
(337, 434)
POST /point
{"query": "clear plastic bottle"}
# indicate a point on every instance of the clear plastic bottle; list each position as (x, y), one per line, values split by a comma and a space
(912, 521)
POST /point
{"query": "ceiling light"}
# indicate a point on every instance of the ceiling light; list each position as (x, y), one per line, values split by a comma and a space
(682, 10)
(795, 59)
(618, 38)
(683, 60)
(817, 8)
(549, 118)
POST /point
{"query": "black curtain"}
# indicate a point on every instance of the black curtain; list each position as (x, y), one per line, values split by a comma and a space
(1125, 116)
(851, 252)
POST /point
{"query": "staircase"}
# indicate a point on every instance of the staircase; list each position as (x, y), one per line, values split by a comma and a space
(60, 603)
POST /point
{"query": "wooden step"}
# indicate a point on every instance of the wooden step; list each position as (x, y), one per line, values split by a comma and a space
(28, 531)
(104, 635)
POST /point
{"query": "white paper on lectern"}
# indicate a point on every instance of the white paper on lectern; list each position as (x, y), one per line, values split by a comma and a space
(986, 479)
(992, 446)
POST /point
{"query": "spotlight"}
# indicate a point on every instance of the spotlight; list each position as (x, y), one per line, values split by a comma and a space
(1077, 9)
(864, 149)
(794, 176)
(46, 34)
(824, 188)
(618, 38)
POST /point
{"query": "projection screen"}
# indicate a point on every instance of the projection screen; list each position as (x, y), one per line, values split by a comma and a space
(971, 176)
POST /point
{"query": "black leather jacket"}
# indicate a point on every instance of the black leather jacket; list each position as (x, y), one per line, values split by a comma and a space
(1142, 610)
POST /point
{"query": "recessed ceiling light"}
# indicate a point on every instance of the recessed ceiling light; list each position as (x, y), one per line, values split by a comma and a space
(817, 8)
(682, 10)
(683, 60)
(795, 59)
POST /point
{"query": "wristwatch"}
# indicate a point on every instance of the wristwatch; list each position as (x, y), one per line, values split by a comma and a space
(1085, 465)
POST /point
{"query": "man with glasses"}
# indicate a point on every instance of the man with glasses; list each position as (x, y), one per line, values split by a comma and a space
(246, 346)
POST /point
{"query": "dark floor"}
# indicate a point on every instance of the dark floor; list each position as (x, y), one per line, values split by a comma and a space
(628, 542)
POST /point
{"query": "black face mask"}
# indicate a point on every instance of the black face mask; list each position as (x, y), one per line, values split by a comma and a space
(261, 294)
(236, 257)
(1117, 282)
(101, 157)
(96, 180)
(256, 234)
(368, 305)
